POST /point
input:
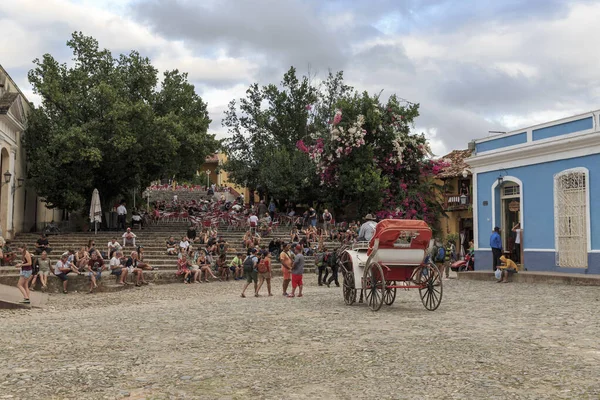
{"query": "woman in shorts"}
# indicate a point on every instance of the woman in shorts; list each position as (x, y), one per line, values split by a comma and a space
(264, 272)
(26, 267)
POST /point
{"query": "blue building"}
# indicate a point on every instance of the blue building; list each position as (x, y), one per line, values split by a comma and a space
(547, 179)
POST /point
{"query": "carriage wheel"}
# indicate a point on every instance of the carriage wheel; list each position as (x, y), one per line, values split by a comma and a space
(431, 295)
(374, 286)
(349, 289)
(390, 294)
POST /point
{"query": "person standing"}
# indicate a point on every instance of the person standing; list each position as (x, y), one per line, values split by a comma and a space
(26, 266)
(251, 272)
(297, 272)
(286, 259)
(321, 264)
(264, 273)
(272, 208)
(496, 245)
(517, 231)
(448, 259)
(332, 263)
(312, 217)
(327, 218)
(121, 216)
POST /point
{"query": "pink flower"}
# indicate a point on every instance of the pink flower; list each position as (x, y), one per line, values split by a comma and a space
(308, 107)
(301, 146)
(338, 117)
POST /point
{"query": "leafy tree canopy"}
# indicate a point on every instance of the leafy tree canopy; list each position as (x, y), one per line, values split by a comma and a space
(353, 152)
(106, 123)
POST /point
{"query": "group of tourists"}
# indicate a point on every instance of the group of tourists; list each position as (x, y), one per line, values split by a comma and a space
(89, 260)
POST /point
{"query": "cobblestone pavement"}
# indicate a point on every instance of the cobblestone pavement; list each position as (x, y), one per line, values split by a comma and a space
(486, 341)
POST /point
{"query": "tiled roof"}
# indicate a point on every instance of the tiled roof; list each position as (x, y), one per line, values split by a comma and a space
(6, 101)
(457, 164)
(213, 158)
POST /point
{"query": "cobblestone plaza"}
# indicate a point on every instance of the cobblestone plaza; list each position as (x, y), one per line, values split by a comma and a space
(486, 341)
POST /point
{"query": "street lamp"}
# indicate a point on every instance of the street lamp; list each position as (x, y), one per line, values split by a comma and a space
(207, 178)
(7, 176)
(463, 199)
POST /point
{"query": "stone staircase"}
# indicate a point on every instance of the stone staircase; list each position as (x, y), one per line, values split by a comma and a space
(153, 239)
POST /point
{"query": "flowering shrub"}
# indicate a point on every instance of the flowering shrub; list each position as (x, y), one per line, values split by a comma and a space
(365, 137)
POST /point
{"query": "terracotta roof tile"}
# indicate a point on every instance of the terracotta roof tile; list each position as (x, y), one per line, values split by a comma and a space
(457, 164)
(212, 158)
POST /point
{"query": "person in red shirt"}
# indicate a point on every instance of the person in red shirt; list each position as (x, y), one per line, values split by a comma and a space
(264, 272)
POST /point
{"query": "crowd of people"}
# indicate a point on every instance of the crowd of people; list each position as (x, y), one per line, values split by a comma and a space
(89, 260)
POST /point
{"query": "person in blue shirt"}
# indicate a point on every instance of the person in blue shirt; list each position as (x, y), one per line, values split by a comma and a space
(496, 245)
(272, 208)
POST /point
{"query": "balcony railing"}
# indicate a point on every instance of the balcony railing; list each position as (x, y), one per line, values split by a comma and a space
(457, 201)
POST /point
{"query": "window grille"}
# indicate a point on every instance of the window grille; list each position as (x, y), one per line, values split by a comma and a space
(570, 214)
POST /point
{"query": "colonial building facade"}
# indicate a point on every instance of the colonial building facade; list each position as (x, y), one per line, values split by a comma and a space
(546, 178)
(20, 208)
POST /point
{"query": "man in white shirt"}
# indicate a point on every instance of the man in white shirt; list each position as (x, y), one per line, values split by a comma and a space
(367, 230)
(113, 246)
(253, 222)
(121, 216)
(129, 238)
(117, 269)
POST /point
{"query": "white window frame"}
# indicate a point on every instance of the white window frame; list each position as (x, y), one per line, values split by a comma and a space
(588, 226)
(511, 179)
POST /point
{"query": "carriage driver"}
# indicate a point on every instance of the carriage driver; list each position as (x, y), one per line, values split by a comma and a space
(367, 230)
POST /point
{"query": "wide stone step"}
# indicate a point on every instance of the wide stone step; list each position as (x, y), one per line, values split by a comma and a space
(81, 283)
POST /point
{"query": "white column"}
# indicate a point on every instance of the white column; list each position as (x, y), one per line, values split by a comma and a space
(475, 209)
(8, 188)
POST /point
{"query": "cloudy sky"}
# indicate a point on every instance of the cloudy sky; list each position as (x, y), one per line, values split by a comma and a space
(474, 65)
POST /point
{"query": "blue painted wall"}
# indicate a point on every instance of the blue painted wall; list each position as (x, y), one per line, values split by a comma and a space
(539, 261)
(504, 141)
(563, 129)
(538, 201)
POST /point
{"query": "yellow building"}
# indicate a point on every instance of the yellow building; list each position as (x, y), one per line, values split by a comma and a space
(212, 170)
(455, 196)
(20, 208)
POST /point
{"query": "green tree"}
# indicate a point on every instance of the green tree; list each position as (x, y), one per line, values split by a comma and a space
(104, 123)
(264, 128)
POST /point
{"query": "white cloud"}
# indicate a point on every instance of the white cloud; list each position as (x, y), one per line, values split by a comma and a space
(489, 73)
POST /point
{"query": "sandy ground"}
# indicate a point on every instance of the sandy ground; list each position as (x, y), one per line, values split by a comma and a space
(486, 341)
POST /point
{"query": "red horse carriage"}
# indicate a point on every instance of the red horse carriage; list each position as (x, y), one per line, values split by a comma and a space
(395, 258)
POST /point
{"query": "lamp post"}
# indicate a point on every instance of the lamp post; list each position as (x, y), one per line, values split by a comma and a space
(207, 178)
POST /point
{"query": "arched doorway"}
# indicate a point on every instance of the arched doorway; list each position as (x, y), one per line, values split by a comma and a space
(4, 191)
(507, 206)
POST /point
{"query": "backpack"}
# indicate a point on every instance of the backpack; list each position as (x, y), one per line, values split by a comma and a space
(441, 254)
(320, 259)
(262, 267)
(248, 264)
